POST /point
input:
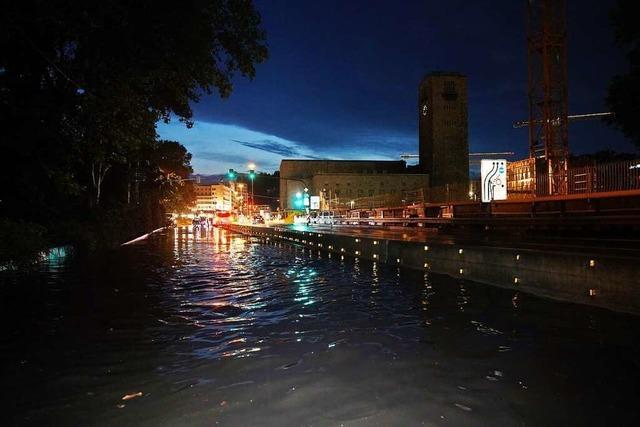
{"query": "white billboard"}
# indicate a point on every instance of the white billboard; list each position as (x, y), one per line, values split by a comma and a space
(315, 202)
(493, 179)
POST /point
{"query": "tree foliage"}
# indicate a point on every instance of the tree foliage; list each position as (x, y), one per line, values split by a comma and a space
(624, 90)
(83, 84)
(173, 164)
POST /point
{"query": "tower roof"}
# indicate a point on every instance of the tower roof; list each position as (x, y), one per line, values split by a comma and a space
(445, 73)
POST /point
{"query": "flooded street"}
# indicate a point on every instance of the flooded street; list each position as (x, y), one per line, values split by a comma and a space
(217, 328)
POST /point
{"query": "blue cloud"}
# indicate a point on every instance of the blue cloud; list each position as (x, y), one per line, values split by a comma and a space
(216, 147)
(276, 147)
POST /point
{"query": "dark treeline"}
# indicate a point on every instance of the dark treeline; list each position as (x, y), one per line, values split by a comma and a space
(624, 91)
(82, 86)
(266, 188)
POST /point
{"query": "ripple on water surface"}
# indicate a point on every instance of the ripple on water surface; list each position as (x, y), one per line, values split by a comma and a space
(215, 327)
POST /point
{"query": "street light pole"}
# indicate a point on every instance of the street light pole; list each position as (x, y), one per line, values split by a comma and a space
(252, 176)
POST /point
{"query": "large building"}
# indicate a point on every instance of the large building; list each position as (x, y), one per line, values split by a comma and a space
(349, 183)
(223, 197)
(204, 198)
(211, 198)
(443, 172)
(442, 118)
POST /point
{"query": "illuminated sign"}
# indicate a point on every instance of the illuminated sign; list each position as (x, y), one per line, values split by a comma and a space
(314, 202)
(493, 179)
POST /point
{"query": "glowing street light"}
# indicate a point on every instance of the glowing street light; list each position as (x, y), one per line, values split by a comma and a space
(252, 177)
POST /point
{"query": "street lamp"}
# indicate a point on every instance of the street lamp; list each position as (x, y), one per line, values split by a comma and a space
(252, 177)
(241, 198)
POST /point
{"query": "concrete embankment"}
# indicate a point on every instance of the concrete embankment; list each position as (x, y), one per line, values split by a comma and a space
(609, 281)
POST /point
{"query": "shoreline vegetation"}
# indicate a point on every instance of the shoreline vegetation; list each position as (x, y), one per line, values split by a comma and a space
(82, 89)
(26, 244)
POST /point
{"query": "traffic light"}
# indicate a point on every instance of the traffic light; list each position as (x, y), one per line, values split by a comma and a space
(252, 174)
(231, 174)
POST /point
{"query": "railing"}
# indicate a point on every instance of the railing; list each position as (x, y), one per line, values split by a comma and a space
(606, 177)
(404, 198)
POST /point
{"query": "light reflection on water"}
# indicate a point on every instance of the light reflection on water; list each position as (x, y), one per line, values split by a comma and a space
(215, 327)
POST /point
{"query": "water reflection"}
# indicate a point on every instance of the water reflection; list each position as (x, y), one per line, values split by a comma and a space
(215, 327)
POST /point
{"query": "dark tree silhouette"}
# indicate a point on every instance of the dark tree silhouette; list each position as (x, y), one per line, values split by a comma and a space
(83, 84)
(624, 91)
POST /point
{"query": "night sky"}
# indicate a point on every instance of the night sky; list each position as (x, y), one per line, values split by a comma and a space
(342, 76)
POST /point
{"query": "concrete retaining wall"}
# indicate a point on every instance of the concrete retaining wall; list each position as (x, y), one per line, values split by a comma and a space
(610, 282)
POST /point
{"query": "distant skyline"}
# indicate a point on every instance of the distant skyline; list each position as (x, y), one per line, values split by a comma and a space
(342, 77)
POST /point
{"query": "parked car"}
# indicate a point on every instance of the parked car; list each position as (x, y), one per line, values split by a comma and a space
(222, 218)
(324, 218)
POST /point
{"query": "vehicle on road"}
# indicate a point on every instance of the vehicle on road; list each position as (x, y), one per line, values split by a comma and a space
(223, 217)
(354, 217)
(324, 218)
(300, 219)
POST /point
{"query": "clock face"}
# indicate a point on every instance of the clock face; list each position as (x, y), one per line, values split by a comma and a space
(424, 110)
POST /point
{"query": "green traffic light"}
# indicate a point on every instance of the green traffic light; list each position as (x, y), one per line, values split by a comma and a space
(252, 174)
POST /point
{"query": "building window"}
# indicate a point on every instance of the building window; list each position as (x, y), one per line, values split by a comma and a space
(449, 92)
(450, 86)
(371, 192)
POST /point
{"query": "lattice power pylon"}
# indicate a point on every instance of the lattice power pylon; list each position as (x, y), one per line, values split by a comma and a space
(548, 123)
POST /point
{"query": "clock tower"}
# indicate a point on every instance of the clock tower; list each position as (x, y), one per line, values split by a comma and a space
(442, 122)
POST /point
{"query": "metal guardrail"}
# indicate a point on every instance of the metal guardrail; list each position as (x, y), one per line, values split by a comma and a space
(616, 176)
(619, 204)
(602, 178)
(598, 178)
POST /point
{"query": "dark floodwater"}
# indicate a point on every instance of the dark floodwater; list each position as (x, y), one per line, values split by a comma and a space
(224, 329)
